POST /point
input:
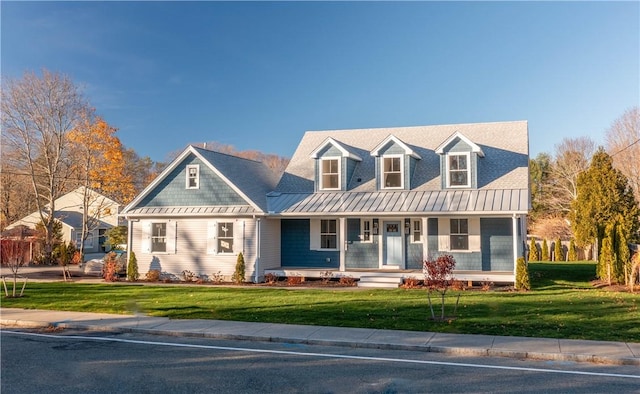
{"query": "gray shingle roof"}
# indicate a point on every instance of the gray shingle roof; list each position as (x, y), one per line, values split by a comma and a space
(505, 146)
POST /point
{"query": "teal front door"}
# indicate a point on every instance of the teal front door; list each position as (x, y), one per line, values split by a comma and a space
(392, 245)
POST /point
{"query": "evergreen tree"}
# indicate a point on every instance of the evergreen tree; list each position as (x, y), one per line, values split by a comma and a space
(545, 251)
(533, 251)
(572, 256)
(605, 204)
(557, 251)
(132, 268)
(522, 275)
(238, 275)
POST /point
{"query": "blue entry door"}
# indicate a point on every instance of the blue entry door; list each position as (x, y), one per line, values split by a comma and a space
(392, 245)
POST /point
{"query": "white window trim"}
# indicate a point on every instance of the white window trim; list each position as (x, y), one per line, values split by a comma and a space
(197, 177)
(315, 235)
(233, 238)
(382, 172)
(468, 155)
(321, 173)
(413, 231)
(362, 230)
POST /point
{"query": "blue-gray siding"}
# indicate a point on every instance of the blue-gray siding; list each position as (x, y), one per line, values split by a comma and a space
(172, 190)
(497, 244)
(360, 254)
(295, 247)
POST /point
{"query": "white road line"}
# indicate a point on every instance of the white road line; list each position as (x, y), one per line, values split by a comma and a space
(343, 356)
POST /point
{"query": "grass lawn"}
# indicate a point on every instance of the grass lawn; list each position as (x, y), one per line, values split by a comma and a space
(562, 304)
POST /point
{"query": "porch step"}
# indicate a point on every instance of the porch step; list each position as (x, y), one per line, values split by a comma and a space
(380, 281)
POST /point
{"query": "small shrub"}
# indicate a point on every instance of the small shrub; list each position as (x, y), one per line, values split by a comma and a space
(153, 276)
(110, 268)
(295, 280)
(271, 278)
(132, 268)
(217, 277)
(325, 277)
(458, 285)
(533, 251)
(411, 283)
(347, 281)
(486, 285)
(545, 251)
(238, 275)
(522, 275)
(188, 276)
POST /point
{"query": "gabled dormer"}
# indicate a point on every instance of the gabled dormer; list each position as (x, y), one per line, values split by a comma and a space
(334, 166)
(395, 163)
(459, 162)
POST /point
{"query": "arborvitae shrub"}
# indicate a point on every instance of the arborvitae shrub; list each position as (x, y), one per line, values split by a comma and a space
(545, 250)
(533, 251)
(572, 255)
(132, 268)
(522, 275)
(557, 251)
(238, 275)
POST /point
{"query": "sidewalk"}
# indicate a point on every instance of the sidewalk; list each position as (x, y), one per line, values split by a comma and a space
(617, 353)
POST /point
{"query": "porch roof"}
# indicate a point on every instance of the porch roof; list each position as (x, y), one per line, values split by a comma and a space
(401, 202)
(193, 210)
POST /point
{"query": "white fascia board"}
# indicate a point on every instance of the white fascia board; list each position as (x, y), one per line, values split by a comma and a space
(396, 140)
(474, 147)
(342, 149)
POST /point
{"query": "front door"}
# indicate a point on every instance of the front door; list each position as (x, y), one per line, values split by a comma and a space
(392, 245)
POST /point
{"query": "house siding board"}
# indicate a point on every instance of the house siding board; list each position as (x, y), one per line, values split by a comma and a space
(171, 191)
(413, 256)
(497, 244)
(295, 247)
(191, 249)
(270, 245)
(350, 170)
(432, 236)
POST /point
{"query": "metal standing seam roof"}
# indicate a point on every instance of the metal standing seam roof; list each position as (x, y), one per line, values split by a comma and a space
(193, 210)
(441, 201)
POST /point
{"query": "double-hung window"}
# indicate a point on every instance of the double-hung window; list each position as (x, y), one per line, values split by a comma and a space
(225, 237)
(193, 176)
(328, 234)
(158, 237)
(330, 174)
(458, 170)
(459, 234)
(392, 172)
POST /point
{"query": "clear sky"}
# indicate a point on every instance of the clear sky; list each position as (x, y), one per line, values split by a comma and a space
(257, 75)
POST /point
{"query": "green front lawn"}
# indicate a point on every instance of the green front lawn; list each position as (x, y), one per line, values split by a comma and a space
(562, 304)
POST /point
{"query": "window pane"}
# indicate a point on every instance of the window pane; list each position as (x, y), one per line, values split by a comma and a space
(225, 245)
(330, 181)
(464, 226)
(392, 180)
(328, 241)
(225, 230)
(458, 178)
(459, 242)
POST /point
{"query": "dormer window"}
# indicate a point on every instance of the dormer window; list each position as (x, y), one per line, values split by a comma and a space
(330, 174)
(458, 170)
(392, 175)
(193, 176)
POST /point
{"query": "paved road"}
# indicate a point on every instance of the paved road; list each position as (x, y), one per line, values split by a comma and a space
(72, 361)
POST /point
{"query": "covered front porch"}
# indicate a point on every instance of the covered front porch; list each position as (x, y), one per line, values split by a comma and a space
(397, 276)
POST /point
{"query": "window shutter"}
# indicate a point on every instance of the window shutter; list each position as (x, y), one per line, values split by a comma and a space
(211, 237)
(314, 234)
(444, 229)
(171, 237)
(146, 237)
(238, 236)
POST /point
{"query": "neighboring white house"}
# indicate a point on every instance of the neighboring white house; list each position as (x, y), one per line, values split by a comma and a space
(103, 211)
(353, 202)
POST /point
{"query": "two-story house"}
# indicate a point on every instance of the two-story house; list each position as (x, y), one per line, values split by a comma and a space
(354, 202)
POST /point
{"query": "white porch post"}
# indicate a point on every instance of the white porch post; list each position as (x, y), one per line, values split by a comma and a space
(514, 222)
(425, 243)
(343, 243)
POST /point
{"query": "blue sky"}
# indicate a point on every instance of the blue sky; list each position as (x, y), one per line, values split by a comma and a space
(257, 75)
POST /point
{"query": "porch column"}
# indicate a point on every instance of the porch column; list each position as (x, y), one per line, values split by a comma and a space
(425, 237)
(343, 242)
(514, 222)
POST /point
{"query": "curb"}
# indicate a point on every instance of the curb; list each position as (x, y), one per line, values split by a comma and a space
(456, 351)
